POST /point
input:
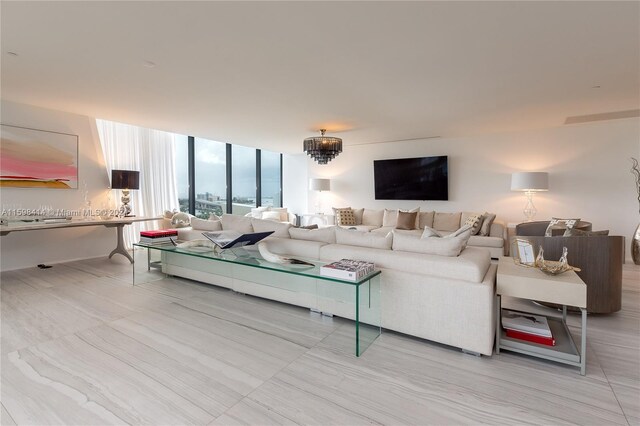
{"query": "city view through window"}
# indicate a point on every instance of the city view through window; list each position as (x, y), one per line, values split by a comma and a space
(210, 178)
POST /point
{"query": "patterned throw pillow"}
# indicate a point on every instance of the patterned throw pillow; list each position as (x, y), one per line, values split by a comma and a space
(560, 225)
(345, 217)
(475, 222)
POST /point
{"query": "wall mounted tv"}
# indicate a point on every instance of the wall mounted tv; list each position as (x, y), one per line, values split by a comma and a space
(424, 178)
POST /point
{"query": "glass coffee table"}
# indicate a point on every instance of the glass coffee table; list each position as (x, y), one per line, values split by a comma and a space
(245, 271)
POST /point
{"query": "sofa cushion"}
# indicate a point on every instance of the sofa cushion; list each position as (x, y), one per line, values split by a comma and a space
(390, 217)
(425, 219)
(284, 213)
(481, 241)
(485, 229)
(471, 265)
(372, 217)
(294, 248)
(188, 234)
(269, 215)
(237, 223)
(324, 235)
(384, 230)
(363, 239)
(439, 246)
(257, 212)
(280, 229)
(364, 228)
(206, 225)
(430, 232)
(446, 221)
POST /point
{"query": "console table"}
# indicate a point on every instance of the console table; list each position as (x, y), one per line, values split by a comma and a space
(117, 223)
(241, 269)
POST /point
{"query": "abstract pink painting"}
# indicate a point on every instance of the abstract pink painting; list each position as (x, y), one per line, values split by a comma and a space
(31, 158)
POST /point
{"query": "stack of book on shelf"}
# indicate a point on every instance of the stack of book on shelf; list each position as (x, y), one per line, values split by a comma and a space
(161, 236)
(347, 269)
(526, 326)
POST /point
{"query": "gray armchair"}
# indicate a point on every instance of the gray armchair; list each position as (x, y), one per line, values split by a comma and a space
(599, 257)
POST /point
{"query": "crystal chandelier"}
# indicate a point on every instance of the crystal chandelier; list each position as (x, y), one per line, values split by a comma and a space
(322, 148)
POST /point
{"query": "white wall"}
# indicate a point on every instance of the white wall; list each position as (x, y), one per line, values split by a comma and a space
(588, 167)
(24, 249)
(295, 182)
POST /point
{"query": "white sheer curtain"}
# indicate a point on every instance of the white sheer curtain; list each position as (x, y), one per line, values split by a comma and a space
(152, 153)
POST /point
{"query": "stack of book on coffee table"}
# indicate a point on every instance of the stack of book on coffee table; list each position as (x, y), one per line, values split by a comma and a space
(526, 326)
(158, 237)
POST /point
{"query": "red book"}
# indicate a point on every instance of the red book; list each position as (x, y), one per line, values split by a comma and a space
(159, 233)
(515, 334)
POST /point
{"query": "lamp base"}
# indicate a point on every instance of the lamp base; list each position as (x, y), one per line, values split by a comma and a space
(529, 209)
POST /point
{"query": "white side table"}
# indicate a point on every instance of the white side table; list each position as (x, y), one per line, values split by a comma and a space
(566, 289)
(316, 219)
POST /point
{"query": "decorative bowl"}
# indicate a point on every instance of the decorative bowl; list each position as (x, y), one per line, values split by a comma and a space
(556, 268)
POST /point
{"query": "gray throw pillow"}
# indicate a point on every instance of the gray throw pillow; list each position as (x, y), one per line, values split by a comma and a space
(485, 229)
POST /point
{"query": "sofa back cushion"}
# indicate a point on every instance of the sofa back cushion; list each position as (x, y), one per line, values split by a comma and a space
(364, 239)
(449, 246)
(446, 221)
(280, 229)
(372, 217)
(358, 214)
(323, 235)
(236, 223)
(425, 219)
(206, 225)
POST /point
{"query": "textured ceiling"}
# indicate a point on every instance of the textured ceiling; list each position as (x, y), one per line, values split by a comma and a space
(268, 74)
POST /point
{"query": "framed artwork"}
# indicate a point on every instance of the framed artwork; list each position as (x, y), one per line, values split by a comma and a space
(523, 252)
(31, 158)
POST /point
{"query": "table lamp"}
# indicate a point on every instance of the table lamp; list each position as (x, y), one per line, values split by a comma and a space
(125, 180)
(316, 184)
(530, 182)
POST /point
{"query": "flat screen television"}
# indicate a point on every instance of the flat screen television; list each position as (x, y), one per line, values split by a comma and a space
(424, 178)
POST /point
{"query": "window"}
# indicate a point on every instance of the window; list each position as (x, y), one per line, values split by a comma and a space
(210, 177)
(181, 164)
(271, 184)
(243, 179)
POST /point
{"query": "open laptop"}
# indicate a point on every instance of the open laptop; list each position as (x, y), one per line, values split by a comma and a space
(229, 239)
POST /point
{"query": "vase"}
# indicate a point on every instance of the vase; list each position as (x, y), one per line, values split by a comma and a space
(635, 246)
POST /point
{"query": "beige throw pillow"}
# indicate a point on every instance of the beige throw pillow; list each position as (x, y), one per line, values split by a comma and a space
(372, 217)
(430, 232)
(358, 214)
(270, 216)
(345, 217)
(446, 221)
(236, 223)
(485, 229)
(406, 220)
(474, 220)
(425, 219)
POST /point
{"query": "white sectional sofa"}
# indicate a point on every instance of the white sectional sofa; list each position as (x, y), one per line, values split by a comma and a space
(446, 299)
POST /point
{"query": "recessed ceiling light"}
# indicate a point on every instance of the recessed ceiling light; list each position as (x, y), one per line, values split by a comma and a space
(595, 87)
(149, 64)
(12, 53)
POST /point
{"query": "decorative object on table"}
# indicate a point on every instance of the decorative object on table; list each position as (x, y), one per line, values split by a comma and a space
(635, 240)
(157, 237)
(559, 226)
(233, 239)
(526, 322)
(322, 148)
(347, 269)
(31, 158)
(523, 253)
(319, 185)
(181, 220)
(125, 180)
(198, 244)
(530, 182)
(555, 268)
(263, 248)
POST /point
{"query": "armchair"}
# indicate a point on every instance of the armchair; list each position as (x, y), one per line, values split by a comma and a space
(599, 257)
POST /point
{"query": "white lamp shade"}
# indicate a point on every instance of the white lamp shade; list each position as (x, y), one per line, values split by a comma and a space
(319, 184)
(530, 181)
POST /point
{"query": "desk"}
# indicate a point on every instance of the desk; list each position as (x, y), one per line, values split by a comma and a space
(113, 223)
